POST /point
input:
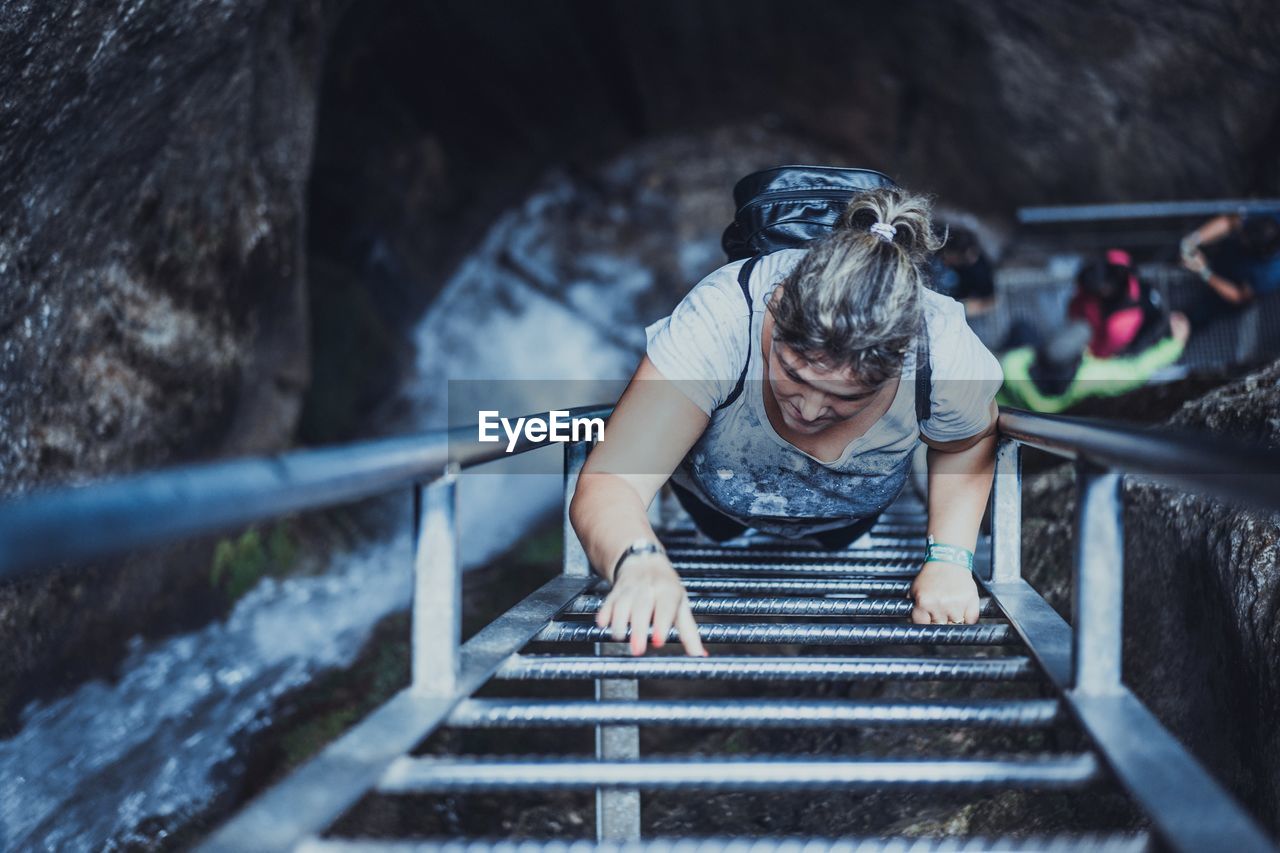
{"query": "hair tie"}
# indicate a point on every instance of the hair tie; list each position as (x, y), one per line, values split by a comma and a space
(884, 231)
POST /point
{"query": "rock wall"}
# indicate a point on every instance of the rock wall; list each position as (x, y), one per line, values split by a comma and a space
(153, 165)
(1202, 593)
(153, 162)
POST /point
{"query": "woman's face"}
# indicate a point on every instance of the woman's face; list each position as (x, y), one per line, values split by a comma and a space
(812, 397)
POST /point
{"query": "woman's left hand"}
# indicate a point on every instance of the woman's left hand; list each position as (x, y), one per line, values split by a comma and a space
(944, 593)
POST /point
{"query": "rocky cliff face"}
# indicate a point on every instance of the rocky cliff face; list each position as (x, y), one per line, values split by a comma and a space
(153, 161)
(153, 167)
(1202, 590)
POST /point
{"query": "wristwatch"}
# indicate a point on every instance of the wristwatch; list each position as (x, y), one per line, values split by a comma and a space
(640, 546)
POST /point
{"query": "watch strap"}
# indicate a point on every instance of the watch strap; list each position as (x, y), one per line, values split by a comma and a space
(640, 546)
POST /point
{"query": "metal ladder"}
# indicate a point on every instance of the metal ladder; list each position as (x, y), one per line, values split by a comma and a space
(769, 593)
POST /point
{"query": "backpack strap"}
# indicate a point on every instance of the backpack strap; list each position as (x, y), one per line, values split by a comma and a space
(744, 282)
(924, 373)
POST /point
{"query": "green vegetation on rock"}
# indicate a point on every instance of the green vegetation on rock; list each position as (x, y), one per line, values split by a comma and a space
(240, 562)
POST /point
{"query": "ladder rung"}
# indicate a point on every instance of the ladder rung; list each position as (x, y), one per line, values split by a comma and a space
(555, 667)
(914, 844)
(845, 568)
(765, 556)
(802, 634)
(903, 531)
(891, 607)
(470, 775)
(511, 713)
(886, 587)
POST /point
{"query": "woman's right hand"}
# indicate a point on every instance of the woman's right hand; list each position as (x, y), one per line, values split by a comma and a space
(649, 594)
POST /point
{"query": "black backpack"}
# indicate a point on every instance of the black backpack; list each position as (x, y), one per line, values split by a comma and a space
(786, 207)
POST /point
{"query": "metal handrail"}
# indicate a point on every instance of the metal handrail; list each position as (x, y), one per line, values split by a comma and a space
(102, 519)
(112, 517)
(1187, 460)
(1089, 213)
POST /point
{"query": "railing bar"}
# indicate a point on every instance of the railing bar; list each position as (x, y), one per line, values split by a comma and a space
(119, 515)
(1186, 460)
(1090, 213)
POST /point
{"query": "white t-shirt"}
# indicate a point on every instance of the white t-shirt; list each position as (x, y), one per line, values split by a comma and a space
(745, 469)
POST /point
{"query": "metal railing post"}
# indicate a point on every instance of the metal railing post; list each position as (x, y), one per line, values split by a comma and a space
(437, 587)
(575, 558)
(617, 811)
(1006, 513)
(1099, 581)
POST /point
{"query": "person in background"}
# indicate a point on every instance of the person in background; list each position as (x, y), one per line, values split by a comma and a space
(964, 272)
(1062, 371)
(1237, 256)
(1124, 315)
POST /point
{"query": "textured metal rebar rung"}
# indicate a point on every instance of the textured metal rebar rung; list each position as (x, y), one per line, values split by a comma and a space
(880, 569)
(799, 586)
(1085, 843)
(764, 556)
(708, 773)
(553, 667)
(803, 634)
(506, 713)
(828, 607)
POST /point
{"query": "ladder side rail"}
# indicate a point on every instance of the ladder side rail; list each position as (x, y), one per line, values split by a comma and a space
(304, 803)
(1187, 806)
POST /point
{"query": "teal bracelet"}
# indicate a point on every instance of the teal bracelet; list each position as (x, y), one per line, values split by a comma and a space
(939, 553)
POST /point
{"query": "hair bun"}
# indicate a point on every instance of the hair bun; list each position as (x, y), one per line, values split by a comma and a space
(895, 216)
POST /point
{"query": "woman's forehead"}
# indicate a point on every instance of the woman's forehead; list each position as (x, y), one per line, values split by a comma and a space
(813, 366)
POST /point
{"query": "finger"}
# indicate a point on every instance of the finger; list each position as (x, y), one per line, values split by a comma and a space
(641, 617)
(605, 614)
(688, 628)
(664, 616)
(921, 615)
(619, 617)
(972, 612)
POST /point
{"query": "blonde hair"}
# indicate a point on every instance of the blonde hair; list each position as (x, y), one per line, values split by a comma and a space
(853, 300)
